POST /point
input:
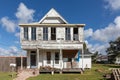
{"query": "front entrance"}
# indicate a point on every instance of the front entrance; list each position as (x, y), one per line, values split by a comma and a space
(33, 59)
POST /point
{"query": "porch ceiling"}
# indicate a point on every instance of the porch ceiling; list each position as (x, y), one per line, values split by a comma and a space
(69, 53)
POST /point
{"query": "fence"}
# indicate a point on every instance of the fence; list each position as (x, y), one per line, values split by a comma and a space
(6, 61)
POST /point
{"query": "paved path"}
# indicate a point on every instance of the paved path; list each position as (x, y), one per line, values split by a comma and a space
(23, 75)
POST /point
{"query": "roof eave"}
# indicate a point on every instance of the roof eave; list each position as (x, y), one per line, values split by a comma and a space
(52, 25)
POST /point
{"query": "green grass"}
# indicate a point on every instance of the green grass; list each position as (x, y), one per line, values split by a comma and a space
(96, 73)
(6, 76)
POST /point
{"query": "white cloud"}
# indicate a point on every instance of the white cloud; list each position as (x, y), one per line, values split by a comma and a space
(17, 42)
(24, 14)
(12, 51)
(8, 24)
(111, 32)
(104, 35)
(88, 33)
(17, 34)
(113, 4)
(101, 48)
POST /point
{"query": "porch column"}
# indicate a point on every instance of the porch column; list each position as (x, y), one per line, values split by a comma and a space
(37, 58)
(21, 62)
(82, 58)
(28, 59)
(61, 61)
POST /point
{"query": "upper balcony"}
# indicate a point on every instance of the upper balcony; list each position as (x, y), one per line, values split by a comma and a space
(52, 31)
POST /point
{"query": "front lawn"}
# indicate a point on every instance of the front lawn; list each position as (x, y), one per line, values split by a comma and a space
(96, 73)
(6, 76)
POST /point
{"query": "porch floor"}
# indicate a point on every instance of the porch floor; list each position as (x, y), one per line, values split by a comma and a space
(72, 70)
(64, 70)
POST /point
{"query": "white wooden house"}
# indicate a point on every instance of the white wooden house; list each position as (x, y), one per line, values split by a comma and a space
(54, 42)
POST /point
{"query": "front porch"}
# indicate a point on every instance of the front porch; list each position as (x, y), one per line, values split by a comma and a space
(61, 59)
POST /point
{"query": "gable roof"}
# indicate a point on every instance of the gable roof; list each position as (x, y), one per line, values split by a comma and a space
(54, 14)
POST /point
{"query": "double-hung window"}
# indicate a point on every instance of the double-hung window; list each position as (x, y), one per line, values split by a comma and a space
(53, 33)
(75, 34)
(67, 34)
(45, 33)
(26, 33)
(33, 33)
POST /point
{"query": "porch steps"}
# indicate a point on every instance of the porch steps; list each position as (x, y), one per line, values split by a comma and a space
(26, 73)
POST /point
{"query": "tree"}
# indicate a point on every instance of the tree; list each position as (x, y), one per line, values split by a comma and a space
(114, 50)
(94, 57)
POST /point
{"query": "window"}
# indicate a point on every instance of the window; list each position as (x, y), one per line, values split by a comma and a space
(48, 57)
(45, 33)
(56, 58)
(33, 33)
(67, 34)
(53, 33)
(26, 33)
(75, 34)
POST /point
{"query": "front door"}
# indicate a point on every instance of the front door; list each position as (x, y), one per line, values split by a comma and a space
(33, 60)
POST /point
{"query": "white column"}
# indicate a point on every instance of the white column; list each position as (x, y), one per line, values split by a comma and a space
(38, 58)
(21, 33)
(82, 58)
(49, 33)
(61, 61)
(28, 59)
(21, 62)
(71, 33)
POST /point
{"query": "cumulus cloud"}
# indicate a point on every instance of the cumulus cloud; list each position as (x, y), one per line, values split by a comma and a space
(88, 33)
(8, 24)
(24, 14)
(111, 32)
(17, 42)
(113, 4)
(12, 51)
(17, 34)
(101, 48)
(103, 35)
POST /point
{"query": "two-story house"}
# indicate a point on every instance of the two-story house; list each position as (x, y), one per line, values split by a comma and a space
(54, 42)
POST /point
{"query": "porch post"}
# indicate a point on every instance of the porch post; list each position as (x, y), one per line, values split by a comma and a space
(61, 63)
(82, 58)
(28, 59)
(21, 62)
(37, 58)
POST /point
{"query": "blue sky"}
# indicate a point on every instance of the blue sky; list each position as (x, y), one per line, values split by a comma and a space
(101, 17)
